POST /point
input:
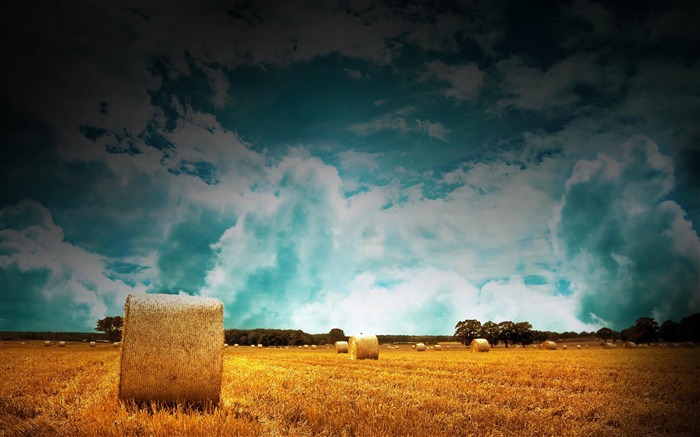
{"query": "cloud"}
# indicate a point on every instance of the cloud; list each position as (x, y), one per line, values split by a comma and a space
(52, 283)
(627, 250)
(465, 80)
(531, 88)
(398, 121)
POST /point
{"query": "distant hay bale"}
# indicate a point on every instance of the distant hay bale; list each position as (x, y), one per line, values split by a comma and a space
(235, 345)
(438, 347)
(363, 347)
(548, 345)
(630, 345)
(172, 349)
(259, 345)
(313, 346)
(608, 345)
(578, 346)
(225, 344)
(420, 347)
(61, 344)
(115, 344)
(688, 344)
(565, 347)
(93, 344)
(341, 347)
(480, 345)
(47, 343)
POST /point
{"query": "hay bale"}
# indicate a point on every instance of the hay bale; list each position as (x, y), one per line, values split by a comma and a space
(578, 346)
(235, 345)
(363, 347)
(47, 343)
(688, 344)
(565, 347)
(438, 347)
(548, 345)
(61, 344)
(608, 345)
(341, 347)
(313, 346)
(420, 347)
(225, 344)
(115, 344)
(93, 344)
(630, 345)
(172, 349)
(480, 345)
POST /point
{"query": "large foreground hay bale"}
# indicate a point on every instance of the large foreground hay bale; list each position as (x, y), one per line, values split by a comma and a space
(363, 347)
(341, 347)
(548, 345)
(420, 347)
(480, 345)
(172, 349)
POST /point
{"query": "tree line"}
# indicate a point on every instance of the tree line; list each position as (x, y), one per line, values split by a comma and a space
(645, 330)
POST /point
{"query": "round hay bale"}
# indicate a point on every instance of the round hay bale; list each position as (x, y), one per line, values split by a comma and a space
(47, 343)
(225, 345)
(93, 344)
(608, 345)
(61, 344)
(578, 346)
(548, 345)
(565, 347)
(438, 347)
(420, 347)
(688, 344)
(480, 345)
(363, 347)
(313, 346)
(260, 345)
(115, 344)
(341, 347)
(235, 345)
(172, 349)
(630, 345)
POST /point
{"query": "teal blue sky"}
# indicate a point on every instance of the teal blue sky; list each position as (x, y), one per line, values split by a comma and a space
(373, 166)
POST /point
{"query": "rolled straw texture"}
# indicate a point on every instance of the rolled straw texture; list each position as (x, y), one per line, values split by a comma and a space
(172, 349)
(549, 345)
(420, 347)
(341, 347)
(480, 345)
(363, 347)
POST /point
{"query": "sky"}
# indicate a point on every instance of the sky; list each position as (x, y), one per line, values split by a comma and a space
(387, 167)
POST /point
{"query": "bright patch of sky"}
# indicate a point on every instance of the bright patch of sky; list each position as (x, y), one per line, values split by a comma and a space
(368, 166)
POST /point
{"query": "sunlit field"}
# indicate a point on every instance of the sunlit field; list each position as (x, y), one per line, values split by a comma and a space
(305, 392)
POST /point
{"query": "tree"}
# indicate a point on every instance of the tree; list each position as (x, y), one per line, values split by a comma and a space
(645, 330)
(112, 326)
(604, 333)
(670, 331)
(489, 331)
(523, 333)
(691, 327)
(336, 334)
(506, 332)
(467, 330)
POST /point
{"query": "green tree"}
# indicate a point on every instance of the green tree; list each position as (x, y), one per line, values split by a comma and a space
(605, 334)
(467, 330)
(523, 333)
(489, 331)
(670, 331)
(112, 326)
(506, 332)
(336, 334)
(645, 330)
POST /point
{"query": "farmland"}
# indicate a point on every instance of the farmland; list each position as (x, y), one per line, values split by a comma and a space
(304, 392)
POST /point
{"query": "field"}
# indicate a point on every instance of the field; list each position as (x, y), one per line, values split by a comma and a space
(304, 392)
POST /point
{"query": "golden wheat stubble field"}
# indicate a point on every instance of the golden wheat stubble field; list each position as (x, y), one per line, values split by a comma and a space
(303, 392)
